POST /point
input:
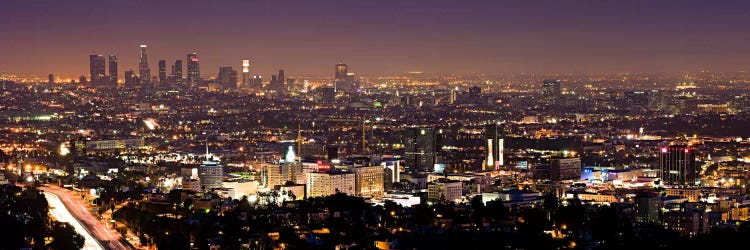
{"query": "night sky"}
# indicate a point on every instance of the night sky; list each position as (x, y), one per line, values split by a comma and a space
(304, 37)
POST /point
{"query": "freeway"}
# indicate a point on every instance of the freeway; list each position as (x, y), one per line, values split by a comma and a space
(73, 203)
(61, 214)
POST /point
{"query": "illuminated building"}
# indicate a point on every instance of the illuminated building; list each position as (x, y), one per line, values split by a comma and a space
(193, 70)
(325, 184)
(177, 71)
(551, 92)
(144, 72)
(96, 69)
(245, 74)
(227, 77)
(494, 146)
(210, 174)
(279, 174)
(565, 169)
(162, 72)
(257, 82)
(444, 189)
(277, 82)
(677, 165)
(420, 148)
(369, 180)
(343, 80)
(113, 75)
(115, 144)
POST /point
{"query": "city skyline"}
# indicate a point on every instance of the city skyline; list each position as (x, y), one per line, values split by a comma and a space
(388, 37)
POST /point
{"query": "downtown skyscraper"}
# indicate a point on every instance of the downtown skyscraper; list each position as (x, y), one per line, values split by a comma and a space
(245, 74)
(193, 70)
(177, 71)
(144, 72)
(97, 69)
(113, 76)
(162, 72)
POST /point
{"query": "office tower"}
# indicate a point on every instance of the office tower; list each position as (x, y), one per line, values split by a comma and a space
(97, 69)
(113, 76)
(341, 71)
(343, 80)
(290, 85)
(420, 149)
(162, 72)
(144, 72)
(51, 79)
(565, 169)
(325, 184)
(677, 165)
(245, 74)
(551, 92)
(130, 79)
(369, 181)
(257, 82)
(177, 71)
(193, 70)
(277, 82)
(494, 146)
(82, 79)
(227, 77)
(279, 174)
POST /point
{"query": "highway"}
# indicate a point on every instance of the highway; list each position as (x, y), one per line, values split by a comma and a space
(106, 238)
(61, 214)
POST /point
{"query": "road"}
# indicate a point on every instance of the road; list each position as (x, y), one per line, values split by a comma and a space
(61, 214)
(108, 238)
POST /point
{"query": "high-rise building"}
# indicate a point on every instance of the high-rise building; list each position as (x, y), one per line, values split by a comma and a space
(341, 71)
(51, 79)
(551, 92)
(97, 69)
(177, 71)
(646, 206)
(279, 174)
(162, 72)
(210, 173)
(369, 181)
(193, 70)
(144, 72)
(257, 82)
(343, 80)
(245, 74)
(420, 148)
(227, 77)
(494, 146)
(131, 80)
(113, 75)
(677, 165)
(277, 82)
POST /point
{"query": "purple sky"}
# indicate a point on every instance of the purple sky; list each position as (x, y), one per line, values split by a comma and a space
(493, 36)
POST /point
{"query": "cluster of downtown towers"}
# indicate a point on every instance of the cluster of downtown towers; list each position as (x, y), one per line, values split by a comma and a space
(144, 79)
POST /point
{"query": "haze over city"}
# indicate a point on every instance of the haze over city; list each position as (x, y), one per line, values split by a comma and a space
(306, 37)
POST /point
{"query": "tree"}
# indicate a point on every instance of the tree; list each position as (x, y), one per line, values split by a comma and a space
(65, 237)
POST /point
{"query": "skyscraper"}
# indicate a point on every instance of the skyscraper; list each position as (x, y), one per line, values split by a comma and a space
(341, 71)
(343, 80)
(177, 71)
(245, 74)
(227, 77)
(51, 79)
(420, 148)
(131, 80)
(677, 165)
(277, 81)
(551, 92)
(193, 70)
(494, 146)
(97, 69)
(144, 72)
(113, 76)
(162, 72)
